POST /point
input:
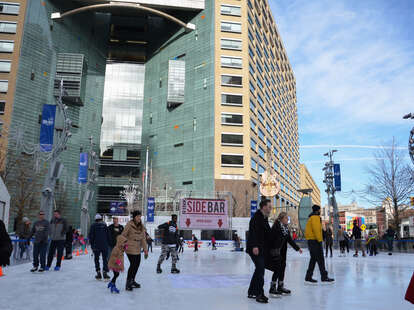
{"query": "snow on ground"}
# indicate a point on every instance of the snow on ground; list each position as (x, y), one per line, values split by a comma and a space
(211, 280)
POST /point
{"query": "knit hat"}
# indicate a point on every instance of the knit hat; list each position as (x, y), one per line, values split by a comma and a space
(315, 208)
(25, 219)
(98, 217)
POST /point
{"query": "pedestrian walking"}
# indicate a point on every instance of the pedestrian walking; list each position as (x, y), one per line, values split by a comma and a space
(275, 259)
(328, 237)
(6, 248)
(357, 235)
(57, 232)
(68, 243)
(40, 232)
(390, 236)
(116, 261)
(134, 232)
(346, 239)
(115, 229)
(24, 233)
(169, 241)
(259, 231)
(195, 242)
(313, 234)
(99, 238)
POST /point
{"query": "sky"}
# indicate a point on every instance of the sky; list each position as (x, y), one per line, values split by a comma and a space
(354, 66)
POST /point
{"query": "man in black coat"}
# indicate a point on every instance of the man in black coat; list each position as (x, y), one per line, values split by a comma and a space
(99, 239)
(259, 230)
(6, 247)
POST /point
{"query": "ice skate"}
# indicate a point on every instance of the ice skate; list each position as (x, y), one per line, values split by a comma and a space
(159, 270)
(34, 269)
(106, 277)
(135, 284)
(310, 281)
(327, 280)
(114, 289)
(273, 292)
(175, 270)
(98, 276)
(282, 290)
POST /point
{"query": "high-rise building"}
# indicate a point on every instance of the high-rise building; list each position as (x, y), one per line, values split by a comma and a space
(220, 105)
(307, 182)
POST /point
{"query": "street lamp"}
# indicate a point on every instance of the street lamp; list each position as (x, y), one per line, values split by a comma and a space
(411, 138)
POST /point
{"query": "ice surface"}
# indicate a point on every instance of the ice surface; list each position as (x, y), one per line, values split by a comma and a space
(211, 280)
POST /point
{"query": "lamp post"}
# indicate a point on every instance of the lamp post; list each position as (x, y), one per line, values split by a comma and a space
(130, 194)
(330, 190)
(411, 138)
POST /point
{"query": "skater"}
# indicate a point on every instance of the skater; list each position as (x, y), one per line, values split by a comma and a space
(116, 261)
(259, 231)
(275, 259)
(57, 232)
(341, 239)
(68, 243)
(40, 231)
(99, 238)
(313, 233)
(372, 243)
(357, 235)
(6, 247)
(181, 245)
(115, 229)
(195, 242)
(389, 236)
(328, 237)
(135, 233)
(346, 243)
(213, 243)
(24, 234)
(169, 241)
(149, 241)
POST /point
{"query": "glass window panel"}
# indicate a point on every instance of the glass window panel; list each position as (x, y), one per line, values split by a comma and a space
(9, 8)
(231, 27)
(7, 27)
(231, 44)
(231, 119)
(6, 46)
(230, 10)
(5, 65)
(232, 139)
(230, 80)
(176, 81)
(231, 62)
(2, 107)
(232, 160)
(4, 85)
(228, 99)
(253, 164)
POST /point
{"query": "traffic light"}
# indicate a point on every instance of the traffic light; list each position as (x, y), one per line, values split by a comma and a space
(412, 201)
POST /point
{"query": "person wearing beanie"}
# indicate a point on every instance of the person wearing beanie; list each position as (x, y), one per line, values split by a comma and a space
(134, 232)
(169, 242)
(313, 234)
(99, 237)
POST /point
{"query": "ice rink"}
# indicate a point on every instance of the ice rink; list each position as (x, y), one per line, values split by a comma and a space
(211, 281)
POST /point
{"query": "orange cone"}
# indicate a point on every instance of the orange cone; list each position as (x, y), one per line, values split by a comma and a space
(1, 272)
(86, 251)
(63, 257)
(77, 253)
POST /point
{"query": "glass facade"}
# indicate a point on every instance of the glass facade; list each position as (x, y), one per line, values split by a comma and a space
(122, 105)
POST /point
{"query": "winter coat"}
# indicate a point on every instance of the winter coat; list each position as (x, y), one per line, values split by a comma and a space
(116, 261)
(327, 236)
(24, 231)
(69, 235)
(389, 234)
(169, 233)
(114, 232)
(259, 230)
(40, 231)
(313, 230)
(99, 236)
(276, 246)
(6, 247)
(58, 228)
(136, 239)
(356, 233)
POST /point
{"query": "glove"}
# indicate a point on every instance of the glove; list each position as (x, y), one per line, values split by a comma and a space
(146, 255)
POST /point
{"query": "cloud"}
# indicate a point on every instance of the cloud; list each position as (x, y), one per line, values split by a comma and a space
(325, 146)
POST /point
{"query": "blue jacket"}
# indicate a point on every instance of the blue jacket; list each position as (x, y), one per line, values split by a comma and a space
(99, 236)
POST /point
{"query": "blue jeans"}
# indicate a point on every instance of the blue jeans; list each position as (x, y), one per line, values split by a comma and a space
(257, 282)
(39, 249)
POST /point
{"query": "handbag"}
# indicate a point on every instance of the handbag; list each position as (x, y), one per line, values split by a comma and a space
(409, 295)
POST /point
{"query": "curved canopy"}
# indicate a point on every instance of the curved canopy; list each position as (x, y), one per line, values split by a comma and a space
(96, 7)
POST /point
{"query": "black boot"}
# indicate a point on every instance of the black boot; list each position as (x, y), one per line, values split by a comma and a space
(98, 275)
(128, 286)
(135, 285)
(282, 290)
(273, 292)
(159, 270)
(175, 270)
(327, 280)
(262, 299)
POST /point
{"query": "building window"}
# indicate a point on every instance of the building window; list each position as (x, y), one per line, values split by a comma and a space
(261, 135)
(231, 80)
(9, 8)
(231, 62)
(231, 27)
(4, 86)
(8, 27)
(5, 65)
(232, 139)
(232, 99)
(261, 169)
(231, 160)
(262, 152)
(231, 119)
(6, 46)
(230, 10)
(230, 44)
(253, 164)
(253, 144)
(252, 125)
(176, 83)
(2, 107)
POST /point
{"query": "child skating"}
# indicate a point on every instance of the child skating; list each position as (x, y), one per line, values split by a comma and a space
(116, 262)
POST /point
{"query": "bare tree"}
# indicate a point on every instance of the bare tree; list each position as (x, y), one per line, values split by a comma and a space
(392, 179)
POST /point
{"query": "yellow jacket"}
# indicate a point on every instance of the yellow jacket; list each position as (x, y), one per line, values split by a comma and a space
(313, 230)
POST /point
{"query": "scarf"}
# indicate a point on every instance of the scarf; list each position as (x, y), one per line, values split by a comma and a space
(284, 229)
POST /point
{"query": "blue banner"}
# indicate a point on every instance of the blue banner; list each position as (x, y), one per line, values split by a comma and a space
(47, 127)
(118, 208)
(150, 209)
(83, 168)
(253, 207)
(337, 177)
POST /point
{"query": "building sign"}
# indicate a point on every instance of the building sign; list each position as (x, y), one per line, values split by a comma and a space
(150, 209)
(208, 214)
(83, 168)
(118, 208)
(253, 207)
(47, 127)
(337, 177)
